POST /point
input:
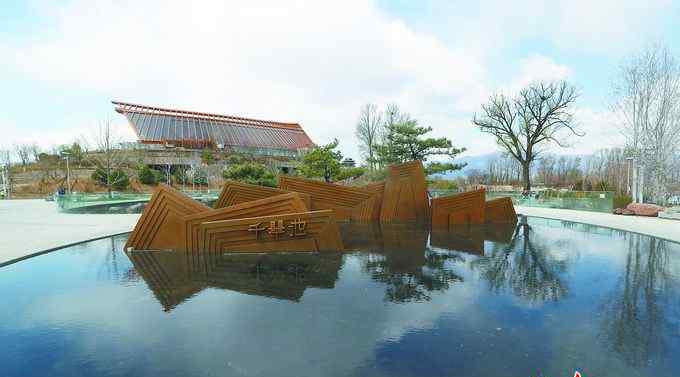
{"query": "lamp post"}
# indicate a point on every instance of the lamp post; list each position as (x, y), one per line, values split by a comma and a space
(67, 154)
(630, 163)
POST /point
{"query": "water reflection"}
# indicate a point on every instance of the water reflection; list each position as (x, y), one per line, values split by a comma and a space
(410, 261)
(405, 301)
(524, 265)
(408, 267)
(640, 310)
(411, 267)
(175, 277)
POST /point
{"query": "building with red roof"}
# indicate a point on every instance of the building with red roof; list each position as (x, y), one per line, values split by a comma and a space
(178, 137)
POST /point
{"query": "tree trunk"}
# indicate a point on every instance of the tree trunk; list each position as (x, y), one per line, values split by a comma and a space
(526, 175)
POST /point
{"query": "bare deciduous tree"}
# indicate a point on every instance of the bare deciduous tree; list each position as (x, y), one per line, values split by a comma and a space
(35, 151)
(6, 172)
(368, 132)
(540, 114)
(23, 151)
(108, 157)
(647, 102)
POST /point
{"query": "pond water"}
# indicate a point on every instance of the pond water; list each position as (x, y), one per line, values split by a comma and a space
(544, 298)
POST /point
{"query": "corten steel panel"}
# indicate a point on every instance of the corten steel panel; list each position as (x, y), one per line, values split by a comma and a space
(321, 234)
(236, 193)
(348, 203)
(273, 205)
(378, 188)
(160, 227)
(500, 210)
(465, 208)
(198, 130)
(405, 196)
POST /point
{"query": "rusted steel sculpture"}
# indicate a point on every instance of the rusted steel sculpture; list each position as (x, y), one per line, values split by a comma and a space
(405, 197)
(172, 221)
(275, 205)
(500, 210)
(301, 215)
(378, 188)
(314, 231)
(348, 203)
(161, 227)
(236, 193)
(464, 208)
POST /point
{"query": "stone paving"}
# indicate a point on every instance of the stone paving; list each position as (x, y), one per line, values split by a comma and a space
(28, 227)
(653, 226)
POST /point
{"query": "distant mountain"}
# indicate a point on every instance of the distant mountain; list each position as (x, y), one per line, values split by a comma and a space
(473, 162)
(481, 162)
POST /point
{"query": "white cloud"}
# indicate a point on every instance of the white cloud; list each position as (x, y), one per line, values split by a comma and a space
(311, 62)
(600, 131)
(607, 27)
(538, 67)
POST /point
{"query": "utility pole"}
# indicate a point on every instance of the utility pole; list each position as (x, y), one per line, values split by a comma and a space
(66, 155)
(641, 182)
(629, 161)
(4, 179)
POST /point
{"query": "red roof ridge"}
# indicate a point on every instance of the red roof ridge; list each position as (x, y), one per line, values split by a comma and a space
(123, 107)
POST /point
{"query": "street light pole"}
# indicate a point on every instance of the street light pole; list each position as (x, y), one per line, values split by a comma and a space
(66, 154)
(628, 167)
(68, 176)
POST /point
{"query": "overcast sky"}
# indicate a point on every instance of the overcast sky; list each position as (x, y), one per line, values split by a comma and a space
(312, 62)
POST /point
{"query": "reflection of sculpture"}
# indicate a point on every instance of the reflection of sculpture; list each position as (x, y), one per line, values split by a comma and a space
(635, 319)
(405, 197)
(174, 278)
(470, 238)
(236, 193)
(523, 266)
(348, 203)
(397, 255)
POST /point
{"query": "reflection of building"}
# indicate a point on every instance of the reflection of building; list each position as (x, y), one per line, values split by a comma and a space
(175, 277)
(176, 137)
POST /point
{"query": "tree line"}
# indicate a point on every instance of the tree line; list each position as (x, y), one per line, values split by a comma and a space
(646, 103)
(605, 170)
(394, 136)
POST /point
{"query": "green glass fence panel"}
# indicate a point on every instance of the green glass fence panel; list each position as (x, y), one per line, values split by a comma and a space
(595, 201)
(97, 202)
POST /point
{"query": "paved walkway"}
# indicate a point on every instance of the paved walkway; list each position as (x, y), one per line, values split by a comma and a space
(28, 227)
(653, 226)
